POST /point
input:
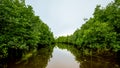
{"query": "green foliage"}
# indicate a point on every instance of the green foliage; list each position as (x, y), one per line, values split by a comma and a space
(20, 29)
(61, 39)
(100, 33)
(46, 36)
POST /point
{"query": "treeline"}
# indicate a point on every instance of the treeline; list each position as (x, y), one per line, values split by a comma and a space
(100, 35)
(20, 29)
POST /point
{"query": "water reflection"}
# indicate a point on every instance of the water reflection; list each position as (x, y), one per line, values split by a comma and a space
(64, 56)
(89, 62)
(97, 64)
(37, 61)
(62, 59)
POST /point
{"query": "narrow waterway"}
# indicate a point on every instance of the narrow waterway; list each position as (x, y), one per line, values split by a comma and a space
(62, 59)
(62, 56)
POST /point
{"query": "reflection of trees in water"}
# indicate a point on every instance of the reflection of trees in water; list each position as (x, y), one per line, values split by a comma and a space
(89, 62)
(38, 61)
(97, 64)
(3, 63)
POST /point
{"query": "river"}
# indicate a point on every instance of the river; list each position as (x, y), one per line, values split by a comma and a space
(62, 56)
(62, 59)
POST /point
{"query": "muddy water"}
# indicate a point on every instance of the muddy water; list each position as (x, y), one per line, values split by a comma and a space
(62, 59)
(62, 56)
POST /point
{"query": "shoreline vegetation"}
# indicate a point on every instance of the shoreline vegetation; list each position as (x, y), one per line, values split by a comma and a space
(100, 35)
(22, 33)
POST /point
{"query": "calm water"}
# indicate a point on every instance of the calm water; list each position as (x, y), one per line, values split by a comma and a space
(61, 56)
(62, 59)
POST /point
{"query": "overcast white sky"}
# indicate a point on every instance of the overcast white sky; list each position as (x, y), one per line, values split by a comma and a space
(65, 16)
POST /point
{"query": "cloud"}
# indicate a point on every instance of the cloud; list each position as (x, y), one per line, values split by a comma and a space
(65, 16)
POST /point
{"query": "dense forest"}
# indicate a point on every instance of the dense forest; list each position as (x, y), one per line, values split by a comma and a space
(21, 31)
(100, 35)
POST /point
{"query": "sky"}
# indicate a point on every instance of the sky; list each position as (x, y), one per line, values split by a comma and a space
(65, 16)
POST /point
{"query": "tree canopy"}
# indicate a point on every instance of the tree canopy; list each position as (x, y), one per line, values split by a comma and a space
(20, 28)
(100, 33)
